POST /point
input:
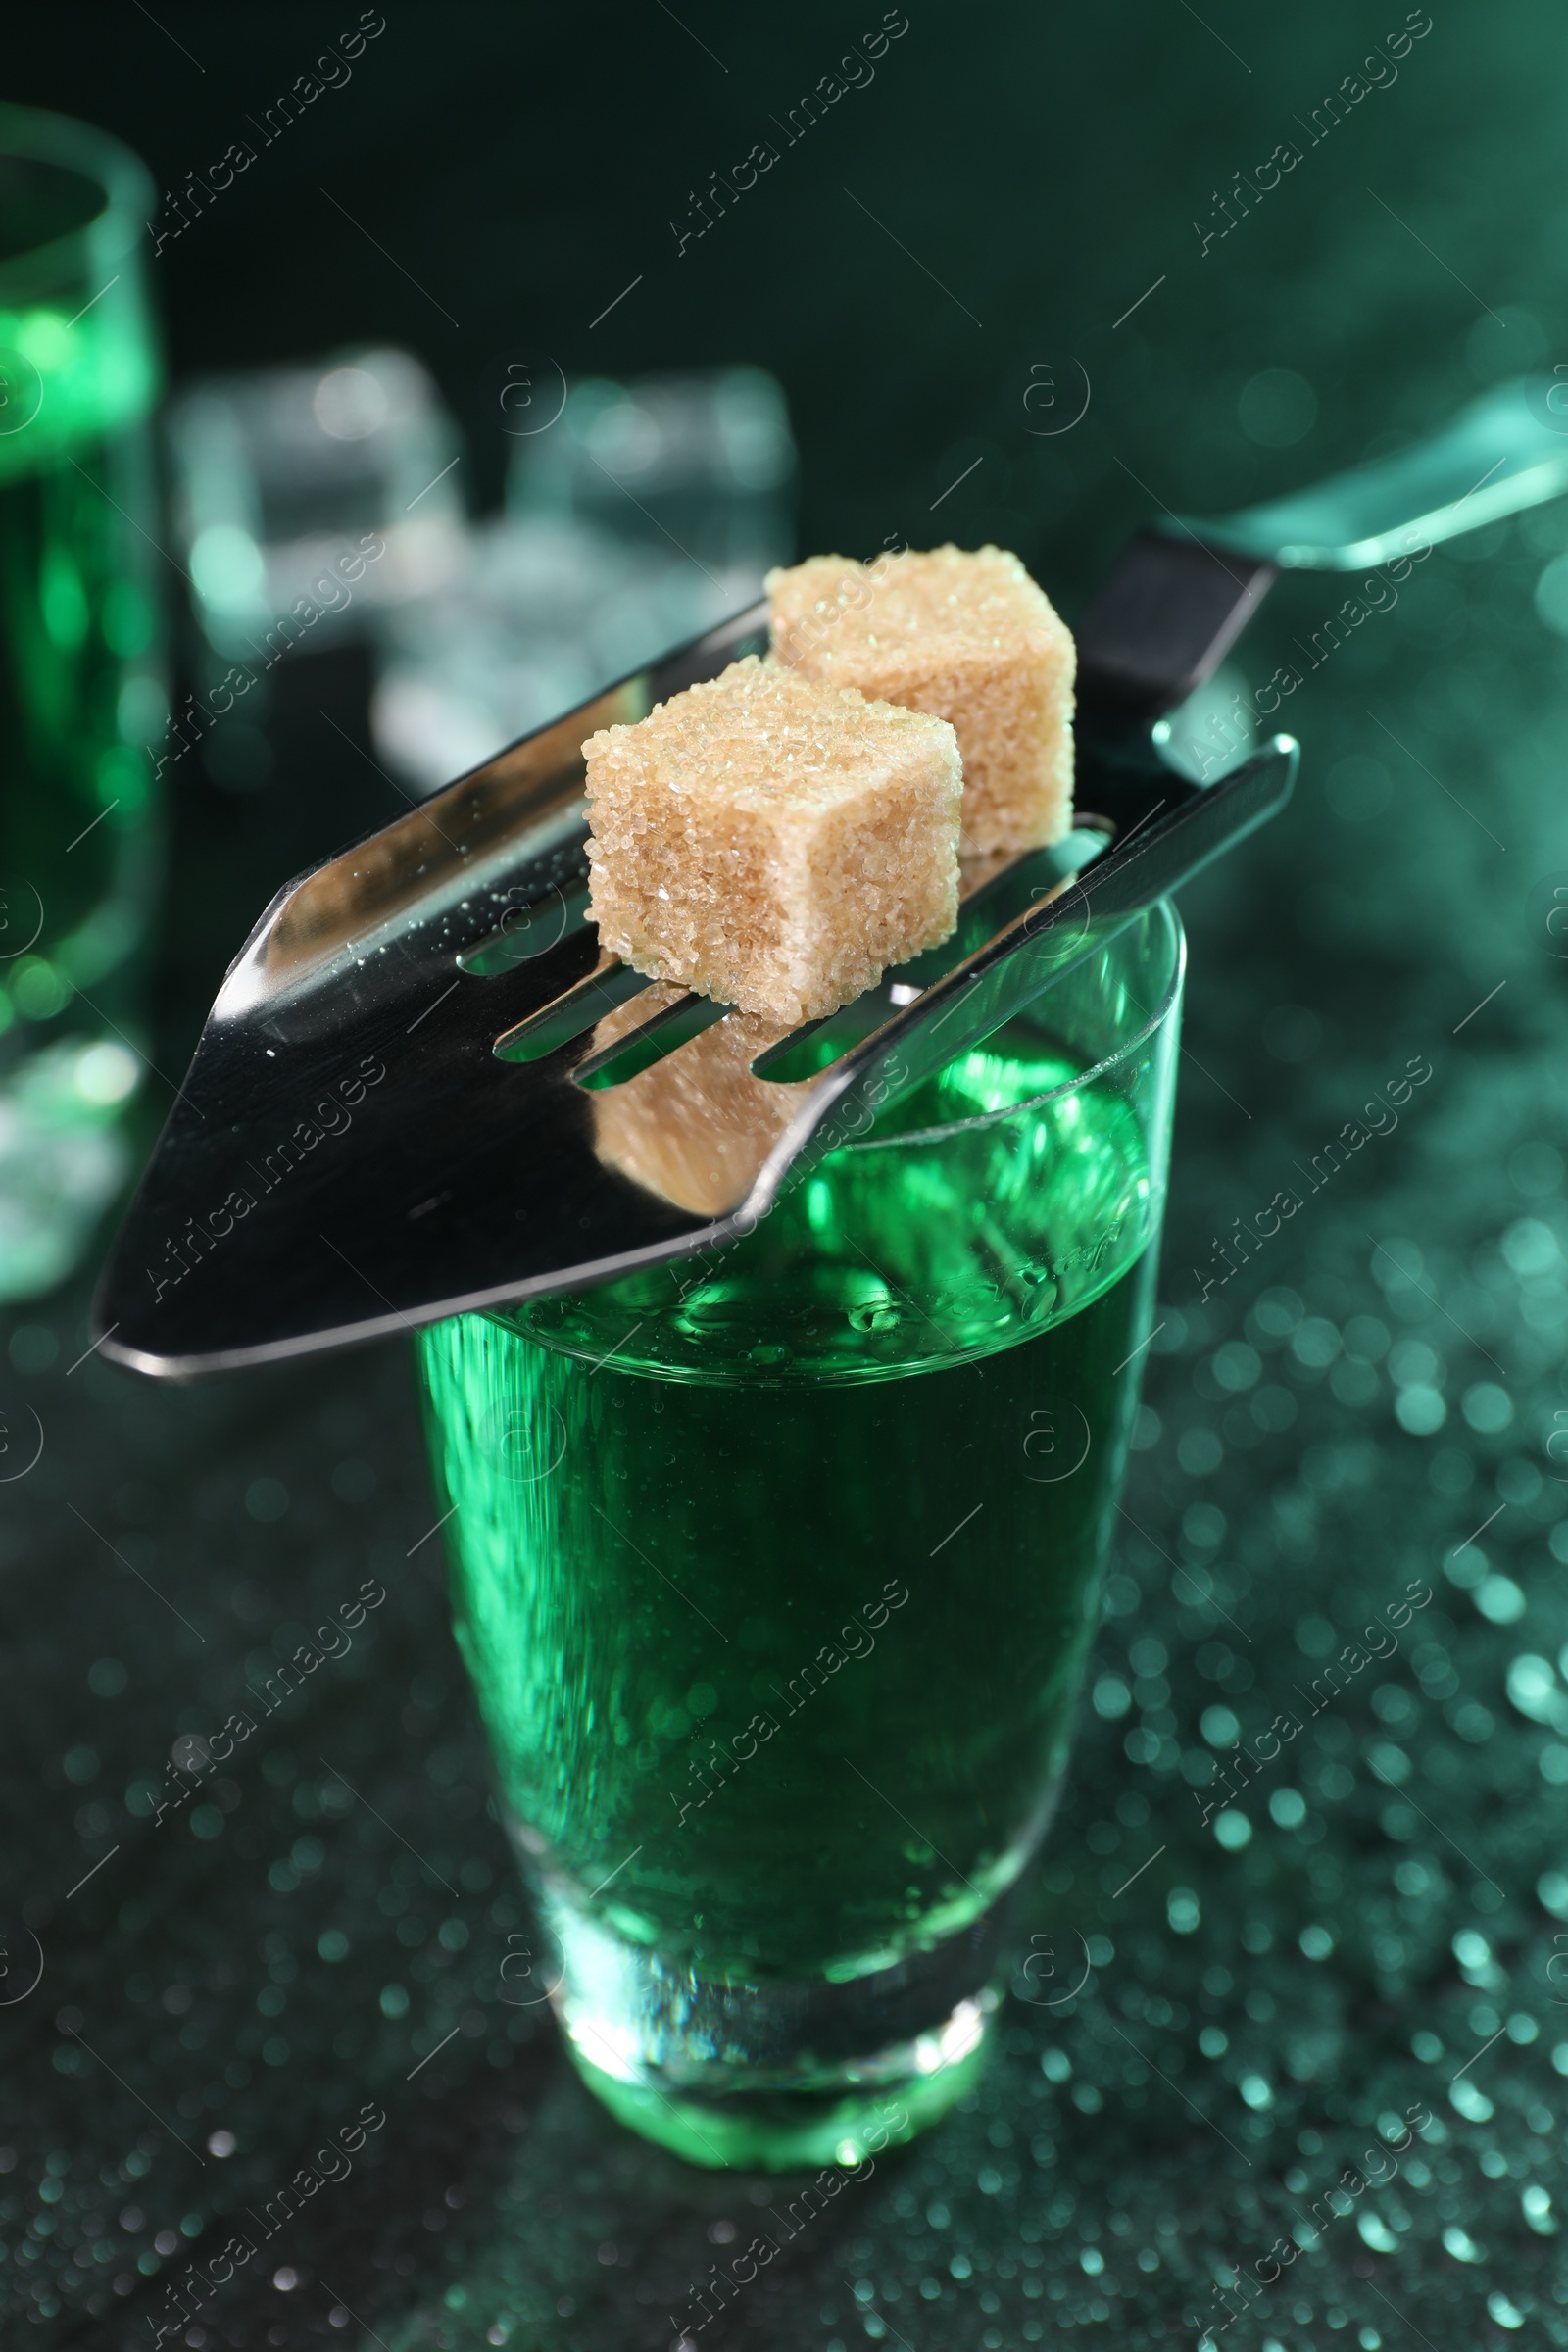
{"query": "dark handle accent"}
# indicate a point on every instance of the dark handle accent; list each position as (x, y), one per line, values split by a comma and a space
(1162, 622)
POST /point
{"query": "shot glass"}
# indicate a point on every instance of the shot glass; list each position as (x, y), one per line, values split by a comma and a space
(775, 1573)
(83, 697)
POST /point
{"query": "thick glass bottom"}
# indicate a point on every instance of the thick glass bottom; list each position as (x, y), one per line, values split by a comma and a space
(788, 2131)
(770, 2075)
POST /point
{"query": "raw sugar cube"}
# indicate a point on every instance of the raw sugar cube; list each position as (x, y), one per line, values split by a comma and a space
(967, 636)
(773, 842)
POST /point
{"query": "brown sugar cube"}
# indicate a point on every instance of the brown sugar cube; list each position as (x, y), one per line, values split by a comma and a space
(968, 637)
(697, 1128)
(773, 843)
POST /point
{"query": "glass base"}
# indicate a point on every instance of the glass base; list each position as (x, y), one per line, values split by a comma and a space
(787, 2132)
(64, 1156)
(771, 2076)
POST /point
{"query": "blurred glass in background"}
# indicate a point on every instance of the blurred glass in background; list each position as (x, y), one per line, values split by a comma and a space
(320, 501)
(83, 702)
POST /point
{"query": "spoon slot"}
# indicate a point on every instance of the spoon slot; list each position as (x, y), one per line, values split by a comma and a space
(672, 1026)
(567, 1016)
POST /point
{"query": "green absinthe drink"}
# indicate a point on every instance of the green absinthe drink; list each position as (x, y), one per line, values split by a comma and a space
(776, 1570)
(81, 695)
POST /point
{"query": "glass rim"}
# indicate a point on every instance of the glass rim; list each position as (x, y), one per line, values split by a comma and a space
(1163, 911)
(33, 135)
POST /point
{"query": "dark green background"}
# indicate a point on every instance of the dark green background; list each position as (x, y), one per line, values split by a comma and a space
(1253, 2012)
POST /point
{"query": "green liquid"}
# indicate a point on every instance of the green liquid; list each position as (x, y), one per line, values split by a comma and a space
(81, 702)
(775, 1575)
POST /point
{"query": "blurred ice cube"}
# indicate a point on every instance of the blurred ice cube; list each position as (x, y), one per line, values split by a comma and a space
(285, 479)
(646, 513)
(702, 465)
